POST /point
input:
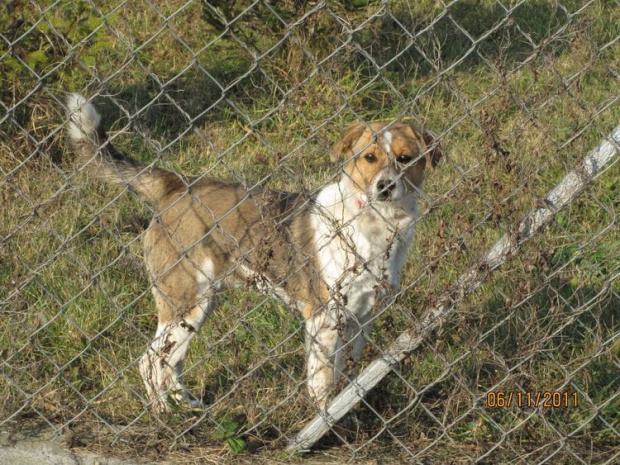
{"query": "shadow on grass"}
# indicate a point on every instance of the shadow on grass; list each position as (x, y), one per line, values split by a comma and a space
(397, 47)
(409, 42)
(468, 33)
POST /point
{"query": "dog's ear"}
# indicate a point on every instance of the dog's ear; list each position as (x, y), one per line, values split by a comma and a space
(434, 147)
(341, 150)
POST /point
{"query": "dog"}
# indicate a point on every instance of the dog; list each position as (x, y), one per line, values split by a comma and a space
(333, 255)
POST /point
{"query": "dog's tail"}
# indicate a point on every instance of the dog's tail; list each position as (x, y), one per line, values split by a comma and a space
(97, 152)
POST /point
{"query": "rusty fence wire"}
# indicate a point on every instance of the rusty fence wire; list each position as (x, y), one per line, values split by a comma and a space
(522, 369)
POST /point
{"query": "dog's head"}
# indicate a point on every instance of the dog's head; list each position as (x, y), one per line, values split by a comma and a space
(386, 162)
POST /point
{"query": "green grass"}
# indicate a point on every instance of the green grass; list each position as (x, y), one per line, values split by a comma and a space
(515, 117)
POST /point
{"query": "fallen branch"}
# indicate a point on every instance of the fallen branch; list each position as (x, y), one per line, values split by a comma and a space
(565, 192)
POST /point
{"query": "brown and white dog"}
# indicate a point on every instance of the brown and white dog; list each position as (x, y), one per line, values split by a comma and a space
(332, 255)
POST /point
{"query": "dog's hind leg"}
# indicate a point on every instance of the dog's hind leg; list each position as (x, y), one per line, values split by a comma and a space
(161, 366)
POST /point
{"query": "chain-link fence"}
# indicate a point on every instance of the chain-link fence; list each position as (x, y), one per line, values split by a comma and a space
(522, 367)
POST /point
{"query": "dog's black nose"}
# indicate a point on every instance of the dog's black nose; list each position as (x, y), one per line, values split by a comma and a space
(385, 189)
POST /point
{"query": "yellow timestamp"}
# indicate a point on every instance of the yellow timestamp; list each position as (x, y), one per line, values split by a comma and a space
(525, 399)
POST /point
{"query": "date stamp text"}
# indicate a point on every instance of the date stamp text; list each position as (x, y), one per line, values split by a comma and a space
(535, 399)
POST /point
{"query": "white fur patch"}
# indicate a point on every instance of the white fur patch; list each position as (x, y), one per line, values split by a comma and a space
(387, 138)
(207, 286)
(348, 240)
(205, 276)
(83, 118)
(360, 254)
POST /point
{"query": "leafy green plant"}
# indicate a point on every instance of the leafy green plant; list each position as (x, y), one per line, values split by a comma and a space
(228, 431)
(35, 45)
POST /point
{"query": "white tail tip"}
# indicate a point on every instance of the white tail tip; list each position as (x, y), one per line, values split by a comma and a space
(83, 117)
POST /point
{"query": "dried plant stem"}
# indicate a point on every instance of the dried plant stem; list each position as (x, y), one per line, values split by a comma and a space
(565, 192)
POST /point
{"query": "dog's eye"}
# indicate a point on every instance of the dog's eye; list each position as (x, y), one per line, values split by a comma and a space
(370, 157)
(404, 159)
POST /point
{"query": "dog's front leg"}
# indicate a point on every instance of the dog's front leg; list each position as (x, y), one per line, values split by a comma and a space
(323, 342)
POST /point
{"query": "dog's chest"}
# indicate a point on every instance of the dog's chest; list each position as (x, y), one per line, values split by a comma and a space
(359, 257)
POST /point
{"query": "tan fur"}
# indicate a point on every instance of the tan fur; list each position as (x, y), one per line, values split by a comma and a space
(232, 227)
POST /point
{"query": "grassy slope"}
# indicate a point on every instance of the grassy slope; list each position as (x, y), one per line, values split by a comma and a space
(515, 118)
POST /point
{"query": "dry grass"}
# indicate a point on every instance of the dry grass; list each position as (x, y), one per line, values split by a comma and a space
(76, 312)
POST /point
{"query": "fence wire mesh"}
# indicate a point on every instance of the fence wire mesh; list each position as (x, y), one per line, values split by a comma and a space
(524, 371)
